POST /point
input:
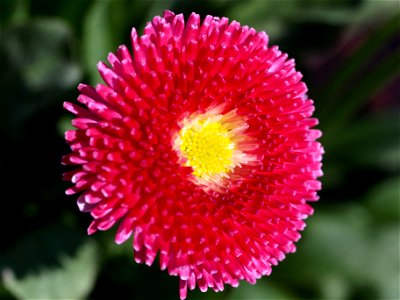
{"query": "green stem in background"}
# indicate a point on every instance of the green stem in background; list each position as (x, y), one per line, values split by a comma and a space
(21, 12)
(342, 105)
(355, 62)
(362, 91)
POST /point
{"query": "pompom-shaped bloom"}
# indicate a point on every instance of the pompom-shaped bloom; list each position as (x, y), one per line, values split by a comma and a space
(201, 144)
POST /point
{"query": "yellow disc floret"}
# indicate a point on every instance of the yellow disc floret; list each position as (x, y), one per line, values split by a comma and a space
(207, 147)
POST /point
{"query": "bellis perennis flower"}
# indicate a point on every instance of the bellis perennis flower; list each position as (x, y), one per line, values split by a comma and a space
(200, 146)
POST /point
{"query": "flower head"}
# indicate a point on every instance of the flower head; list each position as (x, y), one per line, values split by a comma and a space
(201, 145)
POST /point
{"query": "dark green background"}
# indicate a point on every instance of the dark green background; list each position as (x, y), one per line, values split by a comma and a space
(348, 51)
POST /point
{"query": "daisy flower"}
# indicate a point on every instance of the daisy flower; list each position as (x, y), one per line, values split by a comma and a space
(200, 145)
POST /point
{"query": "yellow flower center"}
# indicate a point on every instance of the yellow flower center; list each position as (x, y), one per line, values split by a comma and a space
(207, 147)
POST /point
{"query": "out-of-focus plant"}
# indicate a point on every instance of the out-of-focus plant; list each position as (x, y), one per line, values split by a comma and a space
(349, 52)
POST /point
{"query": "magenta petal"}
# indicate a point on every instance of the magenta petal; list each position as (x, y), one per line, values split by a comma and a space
(130, 168)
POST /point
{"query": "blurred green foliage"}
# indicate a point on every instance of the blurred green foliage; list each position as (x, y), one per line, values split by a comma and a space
(348, 51)
(62, 264)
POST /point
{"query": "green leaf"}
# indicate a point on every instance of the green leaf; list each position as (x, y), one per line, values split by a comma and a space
(384, 261)
(98, 37)
(263, 289)
(72, 11)
(333, 286)
(52, 263)
(334, 173)
(38, 69)
(331, 253)
(262, 15)
(108, 24)
(383, 199)
(367, 142)
(37, 51)
(209, 294)
(363, 89)
(341, 104)
(336, 241)
(373, 9)
(267, 15)
(64, 124)
(13, 11)
(155, 8)
(344, 253)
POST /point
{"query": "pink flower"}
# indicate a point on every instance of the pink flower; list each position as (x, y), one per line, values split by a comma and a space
(200, 143)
